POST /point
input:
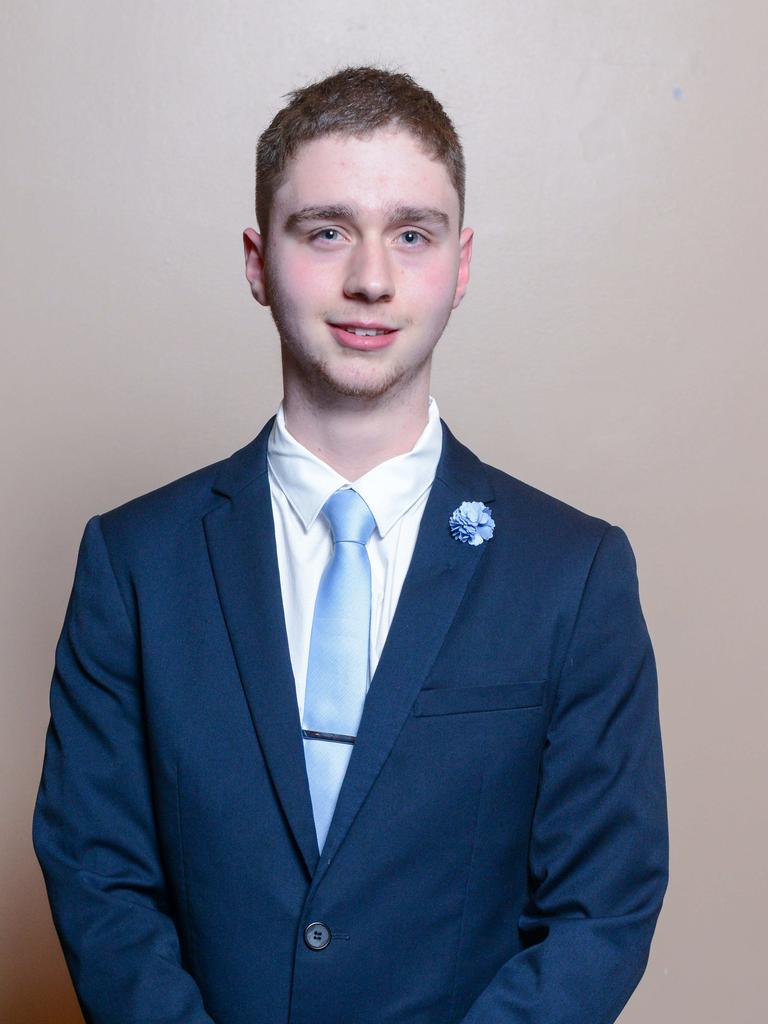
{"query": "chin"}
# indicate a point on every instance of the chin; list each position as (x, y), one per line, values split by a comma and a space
(325, 379)
(368, 388)
(350, 374)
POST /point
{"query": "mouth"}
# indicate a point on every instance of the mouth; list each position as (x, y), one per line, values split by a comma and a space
(364, 337)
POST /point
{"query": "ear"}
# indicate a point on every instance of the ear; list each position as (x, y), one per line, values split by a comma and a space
(465, 255)
(253, 244)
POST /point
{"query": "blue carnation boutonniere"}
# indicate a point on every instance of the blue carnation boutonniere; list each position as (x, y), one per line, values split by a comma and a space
(471, 523)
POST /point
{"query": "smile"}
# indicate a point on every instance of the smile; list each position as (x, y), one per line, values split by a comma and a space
(363, 338)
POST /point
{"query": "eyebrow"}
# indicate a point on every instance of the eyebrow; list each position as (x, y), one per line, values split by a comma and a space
(419, 214)
(310, 213)
(396, 215)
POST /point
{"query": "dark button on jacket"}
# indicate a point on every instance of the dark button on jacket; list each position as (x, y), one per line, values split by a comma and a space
(317, 935)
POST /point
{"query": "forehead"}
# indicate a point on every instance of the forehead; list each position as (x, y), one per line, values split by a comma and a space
(377, 171)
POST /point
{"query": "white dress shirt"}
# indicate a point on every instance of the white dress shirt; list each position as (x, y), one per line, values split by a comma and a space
(396, 492)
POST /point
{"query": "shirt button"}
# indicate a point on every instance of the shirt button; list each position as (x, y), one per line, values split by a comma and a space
(317, 935)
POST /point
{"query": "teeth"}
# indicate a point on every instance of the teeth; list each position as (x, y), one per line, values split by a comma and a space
(363, 332)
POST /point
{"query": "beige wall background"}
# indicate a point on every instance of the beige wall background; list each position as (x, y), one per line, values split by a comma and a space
(611, 350)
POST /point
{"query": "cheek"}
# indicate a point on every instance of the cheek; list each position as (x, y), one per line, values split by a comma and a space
(435, 285)
(301, 272)
(299, 279)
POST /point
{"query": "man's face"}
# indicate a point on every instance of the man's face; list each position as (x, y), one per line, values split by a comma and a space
(363, 234)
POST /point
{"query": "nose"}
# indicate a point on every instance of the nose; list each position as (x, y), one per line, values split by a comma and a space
(369, 276)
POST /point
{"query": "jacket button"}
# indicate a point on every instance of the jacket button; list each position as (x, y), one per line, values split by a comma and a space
(317, 935)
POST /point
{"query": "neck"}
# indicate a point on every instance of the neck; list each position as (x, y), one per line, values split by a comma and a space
(352, 438)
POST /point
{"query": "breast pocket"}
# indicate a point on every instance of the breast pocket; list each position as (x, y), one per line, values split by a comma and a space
(456, 700)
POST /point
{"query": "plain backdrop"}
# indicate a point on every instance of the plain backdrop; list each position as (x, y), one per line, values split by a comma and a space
(611, 350)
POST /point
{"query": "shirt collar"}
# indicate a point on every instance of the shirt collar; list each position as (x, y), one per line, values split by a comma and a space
(388, 489)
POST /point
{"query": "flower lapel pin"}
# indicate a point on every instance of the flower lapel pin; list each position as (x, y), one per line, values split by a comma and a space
(471, 523)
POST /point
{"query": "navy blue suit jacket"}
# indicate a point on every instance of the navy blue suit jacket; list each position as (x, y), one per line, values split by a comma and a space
(498, 853)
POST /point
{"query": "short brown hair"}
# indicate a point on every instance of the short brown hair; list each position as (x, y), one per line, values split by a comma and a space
(354, 101)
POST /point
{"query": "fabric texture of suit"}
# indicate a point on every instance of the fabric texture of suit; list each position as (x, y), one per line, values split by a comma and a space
(498, 853)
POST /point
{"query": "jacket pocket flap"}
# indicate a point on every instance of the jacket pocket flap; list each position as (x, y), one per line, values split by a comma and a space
(452, 700)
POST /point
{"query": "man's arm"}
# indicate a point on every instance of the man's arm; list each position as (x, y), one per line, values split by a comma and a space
(598, 848)
(93, 826)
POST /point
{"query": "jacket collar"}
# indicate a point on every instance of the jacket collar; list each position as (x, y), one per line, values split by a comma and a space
(458, 468)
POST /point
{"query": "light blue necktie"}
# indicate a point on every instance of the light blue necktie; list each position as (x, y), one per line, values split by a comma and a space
(337, 670)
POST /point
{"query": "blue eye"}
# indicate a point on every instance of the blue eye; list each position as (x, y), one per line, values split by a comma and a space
(412, 236)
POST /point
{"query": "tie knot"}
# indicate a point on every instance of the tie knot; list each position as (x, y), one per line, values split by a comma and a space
(349, 516)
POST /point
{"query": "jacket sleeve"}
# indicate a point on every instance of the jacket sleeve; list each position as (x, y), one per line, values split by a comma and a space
(93, 827)
(598, 863)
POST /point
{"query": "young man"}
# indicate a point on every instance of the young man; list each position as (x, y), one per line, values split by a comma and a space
(351, 727)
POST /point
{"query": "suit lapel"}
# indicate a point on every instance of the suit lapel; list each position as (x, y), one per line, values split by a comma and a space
(437, 578)
(241, 540)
